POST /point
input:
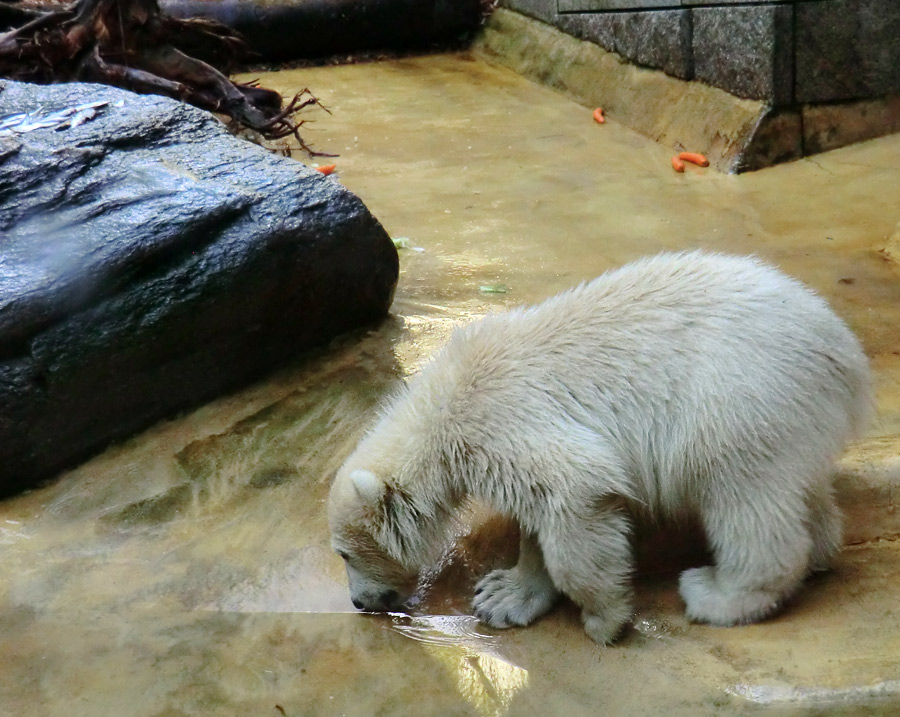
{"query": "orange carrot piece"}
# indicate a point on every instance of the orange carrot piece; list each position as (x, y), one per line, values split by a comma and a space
(326, 169)
(694, 158)
(598, 116)
(677, 164)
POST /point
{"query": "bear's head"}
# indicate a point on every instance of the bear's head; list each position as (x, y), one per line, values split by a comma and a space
(359, 505)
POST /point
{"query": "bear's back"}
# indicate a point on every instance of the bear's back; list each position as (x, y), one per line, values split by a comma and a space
(664, 313)
(671, 359)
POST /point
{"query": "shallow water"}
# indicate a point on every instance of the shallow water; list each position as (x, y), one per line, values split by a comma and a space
(188, 571)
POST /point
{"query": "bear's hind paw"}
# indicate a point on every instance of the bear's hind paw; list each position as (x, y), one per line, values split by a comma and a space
(604, 630)
(504, 598)
(706, 601)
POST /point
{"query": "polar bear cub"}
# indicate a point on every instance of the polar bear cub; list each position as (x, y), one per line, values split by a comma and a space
(681, 383)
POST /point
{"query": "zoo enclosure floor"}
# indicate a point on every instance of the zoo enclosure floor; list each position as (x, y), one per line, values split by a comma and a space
(187, 571)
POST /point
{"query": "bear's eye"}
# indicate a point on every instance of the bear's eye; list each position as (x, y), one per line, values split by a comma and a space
(343, 555)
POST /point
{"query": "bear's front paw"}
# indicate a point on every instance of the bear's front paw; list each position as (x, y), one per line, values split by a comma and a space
(508, 597)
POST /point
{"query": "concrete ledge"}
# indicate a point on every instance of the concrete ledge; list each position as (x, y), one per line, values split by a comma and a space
(736, 134)
(868, 491)
(829, 126)
(679, 114)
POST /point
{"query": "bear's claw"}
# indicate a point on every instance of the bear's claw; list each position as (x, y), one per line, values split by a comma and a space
(504, 598)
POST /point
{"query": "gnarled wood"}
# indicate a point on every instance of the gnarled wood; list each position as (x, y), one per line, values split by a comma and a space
(132, 44)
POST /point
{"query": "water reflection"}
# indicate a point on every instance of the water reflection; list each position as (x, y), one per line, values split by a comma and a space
(446, 630)
(656, 628)
(487, 680)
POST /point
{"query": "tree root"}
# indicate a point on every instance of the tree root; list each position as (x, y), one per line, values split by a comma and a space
(132, 44)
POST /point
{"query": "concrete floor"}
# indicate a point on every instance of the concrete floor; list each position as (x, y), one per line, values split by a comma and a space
(188, 571)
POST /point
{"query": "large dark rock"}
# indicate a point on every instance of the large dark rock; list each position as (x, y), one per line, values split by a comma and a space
(290, 29)
(149, 261)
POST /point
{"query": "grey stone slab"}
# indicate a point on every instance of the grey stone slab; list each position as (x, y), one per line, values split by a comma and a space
(661, 40)
(847, 49)
(694, 3)
(745, 50)
(612, 5)
(540, 9)
(880, 24)
(607, 5)
(598, 28)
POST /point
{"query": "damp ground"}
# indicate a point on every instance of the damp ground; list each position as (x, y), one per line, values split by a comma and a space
(187, 571)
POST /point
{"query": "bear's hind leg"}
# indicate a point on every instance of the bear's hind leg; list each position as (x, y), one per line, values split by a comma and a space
(588, 555)
(825, 526)
(762, 547)
(517, 596)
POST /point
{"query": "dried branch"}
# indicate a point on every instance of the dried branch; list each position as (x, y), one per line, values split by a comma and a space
(133, 45)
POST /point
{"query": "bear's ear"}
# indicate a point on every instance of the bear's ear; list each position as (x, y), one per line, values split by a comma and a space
(369, 487)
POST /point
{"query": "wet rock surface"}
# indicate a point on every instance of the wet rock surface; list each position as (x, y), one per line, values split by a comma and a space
(149, 261)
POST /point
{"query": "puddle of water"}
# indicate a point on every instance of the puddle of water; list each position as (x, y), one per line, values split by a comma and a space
(486, 679)
(442, 630)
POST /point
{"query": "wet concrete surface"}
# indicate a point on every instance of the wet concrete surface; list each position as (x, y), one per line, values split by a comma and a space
(187, 571)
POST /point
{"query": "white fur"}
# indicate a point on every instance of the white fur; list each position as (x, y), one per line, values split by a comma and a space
(679, 383)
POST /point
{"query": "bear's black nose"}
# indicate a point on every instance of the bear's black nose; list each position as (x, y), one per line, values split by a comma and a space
(358, 605)
(388, 598)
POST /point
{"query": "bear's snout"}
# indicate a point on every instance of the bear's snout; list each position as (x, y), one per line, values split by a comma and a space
(384, 601)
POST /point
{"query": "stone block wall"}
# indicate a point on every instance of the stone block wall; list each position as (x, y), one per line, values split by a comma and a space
(782, 52)
(847, 49)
